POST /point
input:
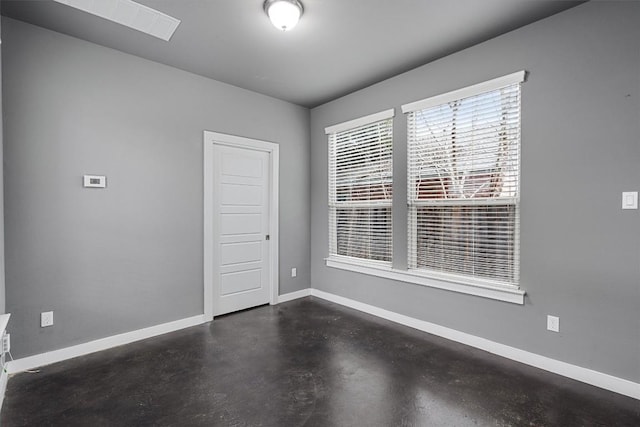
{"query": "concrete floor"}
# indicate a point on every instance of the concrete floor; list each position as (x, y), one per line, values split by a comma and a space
(304, 363)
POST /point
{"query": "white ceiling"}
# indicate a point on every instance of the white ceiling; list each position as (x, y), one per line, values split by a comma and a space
(338, 47)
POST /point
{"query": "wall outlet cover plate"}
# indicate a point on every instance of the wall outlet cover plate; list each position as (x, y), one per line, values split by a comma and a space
(46, 319)
(553, 323)
(630, 200)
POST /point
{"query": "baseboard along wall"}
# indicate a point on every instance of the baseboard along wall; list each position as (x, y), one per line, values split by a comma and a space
(294, 295)
(585, 375)
(4, 377)
(38, 360)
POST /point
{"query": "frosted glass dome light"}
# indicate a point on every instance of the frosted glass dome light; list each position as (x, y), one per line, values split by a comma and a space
(284, 14)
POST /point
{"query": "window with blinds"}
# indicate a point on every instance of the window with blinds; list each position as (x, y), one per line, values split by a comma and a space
(360, 189)
(463, 182)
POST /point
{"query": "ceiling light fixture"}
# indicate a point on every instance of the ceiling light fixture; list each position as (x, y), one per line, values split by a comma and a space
(284, 14)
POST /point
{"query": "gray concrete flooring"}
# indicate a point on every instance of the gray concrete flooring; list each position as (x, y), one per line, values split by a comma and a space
(304, 363)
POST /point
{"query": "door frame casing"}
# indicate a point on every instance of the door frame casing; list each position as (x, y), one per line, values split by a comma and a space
(215, 138)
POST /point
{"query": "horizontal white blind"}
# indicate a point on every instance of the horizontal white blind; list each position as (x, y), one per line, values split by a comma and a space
(463, 186)
(360, 192)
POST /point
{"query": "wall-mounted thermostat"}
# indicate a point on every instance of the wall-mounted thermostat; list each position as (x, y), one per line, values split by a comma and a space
(97, 181)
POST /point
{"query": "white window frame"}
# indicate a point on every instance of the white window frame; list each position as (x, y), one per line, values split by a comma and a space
(485, 289)
(478, 89)
(333, 257)
(499, 293)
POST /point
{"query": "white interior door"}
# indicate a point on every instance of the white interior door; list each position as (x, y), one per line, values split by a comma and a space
(241, 264)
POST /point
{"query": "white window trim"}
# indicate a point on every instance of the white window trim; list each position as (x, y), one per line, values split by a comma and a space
(345, 126)
(361, 121)
(458, 283)
(465, 92)
(362, 262)
(447, 282)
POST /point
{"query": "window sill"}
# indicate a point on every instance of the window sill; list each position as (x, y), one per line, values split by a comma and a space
(515, 296)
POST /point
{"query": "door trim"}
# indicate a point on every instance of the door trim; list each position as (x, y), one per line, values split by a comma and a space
(211, 138)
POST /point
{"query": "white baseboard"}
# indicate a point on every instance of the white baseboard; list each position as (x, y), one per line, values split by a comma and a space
(4, 376)
(3, 385)
(294, 295)
(35, 361)
(595, 378)
(32, 362)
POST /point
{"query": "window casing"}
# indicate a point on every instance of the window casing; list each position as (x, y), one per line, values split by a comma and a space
(463, 181)
(463, 193)
(360, 190)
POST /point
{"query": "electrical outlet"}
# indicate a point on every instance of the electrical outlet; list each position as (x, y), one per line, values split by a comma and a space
(46, 319)
(294, 272)
(630, 200)
(553, 323)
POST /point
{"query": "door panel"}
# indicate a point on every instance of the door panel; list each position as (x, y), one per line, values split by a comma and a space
(241, 281)
(236, 253)
(243, 195)
(242, 166)
(241, 224)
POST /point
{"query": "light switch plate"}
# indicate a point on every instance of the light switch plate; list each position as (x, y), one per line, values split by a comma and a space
(553, 323)
(630, 200)
(96, 181)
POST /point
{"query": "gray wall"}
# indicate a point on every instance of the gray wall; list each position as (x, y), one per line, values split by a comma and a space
(580, 253)
(130, 256)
